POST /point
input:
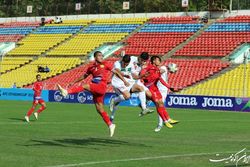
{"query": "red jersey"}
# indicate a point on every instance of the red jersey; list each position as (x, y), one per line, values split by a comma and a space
(38, 87)
(100, 71)
(153, 77)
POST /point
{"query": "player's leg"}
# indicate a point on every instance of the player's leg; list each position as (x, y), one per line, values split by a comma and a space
(160, 121)
(123, 93)
(142, 91)
(31, 110)
(162, 112)
(157, 99)
(141, 95)
(98, 100)
(114, 102)
(73, 89)
(42, 108)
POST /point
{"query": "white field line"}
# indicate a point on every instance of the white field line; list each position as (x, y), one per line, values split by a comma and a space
(140, 159)
(92, 122)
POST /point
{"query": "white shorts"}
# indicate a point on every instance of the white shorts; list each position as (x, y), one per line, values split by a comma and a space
(120, 86)
(138, 82)
(164, 94)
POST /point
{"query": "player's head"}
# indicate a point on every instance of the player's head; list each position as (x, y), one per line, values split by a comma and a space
(126, 60)
(155, 60)
(38, 77)
(143, 58)
(98, 56)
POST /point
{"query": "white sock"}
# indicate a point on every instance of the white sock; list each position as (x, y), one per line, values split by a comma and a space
(160, 123)
(142, 97)
(119, 98)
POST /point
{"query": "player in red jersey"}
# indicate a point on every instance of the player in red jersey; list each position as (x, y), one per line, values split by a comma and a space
(151, 75)
(98, 87)
(38, 87)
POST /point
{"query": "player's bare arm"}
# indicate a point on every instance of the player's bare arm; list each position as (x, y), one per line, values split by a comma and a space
(166, 85)
(119, 74)
(79, 79)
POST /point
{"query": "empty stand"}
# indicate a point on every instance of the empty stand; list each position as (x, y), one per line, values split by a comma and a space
(11, 63)
(120, 21)
(235, 19)
(220, 39)
(36, 44)
(71, 75)
(43, 39)
(181, 19)
(192, 71)
(72, 29)
(10, 38)
(232, 83)
(80, 22)
(26, 74)
(93, 36)
(82, 44)
(14, 31)
(159, 36)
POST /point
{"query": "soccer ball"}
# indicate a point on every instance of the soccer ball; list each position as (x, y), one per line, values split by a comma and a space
(172, 67)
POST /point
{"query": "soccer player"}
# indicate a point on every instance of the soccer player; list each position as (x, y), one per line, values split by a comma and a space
(37, 88)
(139, 63)
(163, 90)
(99, 70)
(126, 67)
(151, 75)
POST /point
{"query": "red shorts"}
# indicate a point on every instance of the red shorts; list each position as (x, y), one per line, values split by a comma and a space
(39, 101)
(156, 94)
(98, 91)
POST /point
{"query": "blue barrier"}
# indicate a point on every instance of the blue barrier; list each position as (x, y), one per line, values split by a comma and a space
(87, 98)
(172, 101)
(21, 94)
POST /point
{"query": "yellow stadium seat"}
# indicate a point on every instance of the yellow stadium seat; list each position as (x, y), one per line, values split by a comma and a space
(233, 83)
(26, 74)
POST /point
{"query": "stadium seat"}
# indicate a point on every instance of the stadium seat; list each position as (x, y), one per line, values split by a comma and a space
(232, 83)
(26, 74)
(65, 78)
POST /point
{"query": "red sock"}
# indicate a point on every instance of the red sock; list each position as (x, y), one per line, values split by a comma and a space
(161, 113)
(75, 89)
(165, 112)
(105, 117)
(41, 109)
(30, 111)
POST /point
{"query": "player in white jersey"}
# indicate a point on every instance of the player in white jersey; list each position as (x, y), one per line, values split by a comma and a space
(127, 68)
(139, 63)
(164, 92)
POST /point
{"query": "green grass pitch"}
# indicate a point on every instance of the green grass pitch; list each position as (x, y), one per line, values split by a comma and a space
(69, 135)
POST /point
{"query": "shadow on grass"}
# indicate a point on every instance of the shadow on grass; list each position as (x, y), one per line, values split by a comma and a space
(20, 119)
(86, 142)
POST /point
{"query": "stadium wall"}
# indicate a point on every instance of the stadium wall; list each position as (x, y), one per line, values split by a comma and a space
(173, 101)
(98, 16)
(20, 94)
(129, 15)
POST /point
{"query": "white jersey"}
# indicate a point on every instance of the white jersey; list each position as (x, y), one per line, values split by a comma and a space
(125, 71)
(164, 76)
(117, 83)
(137, 68)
